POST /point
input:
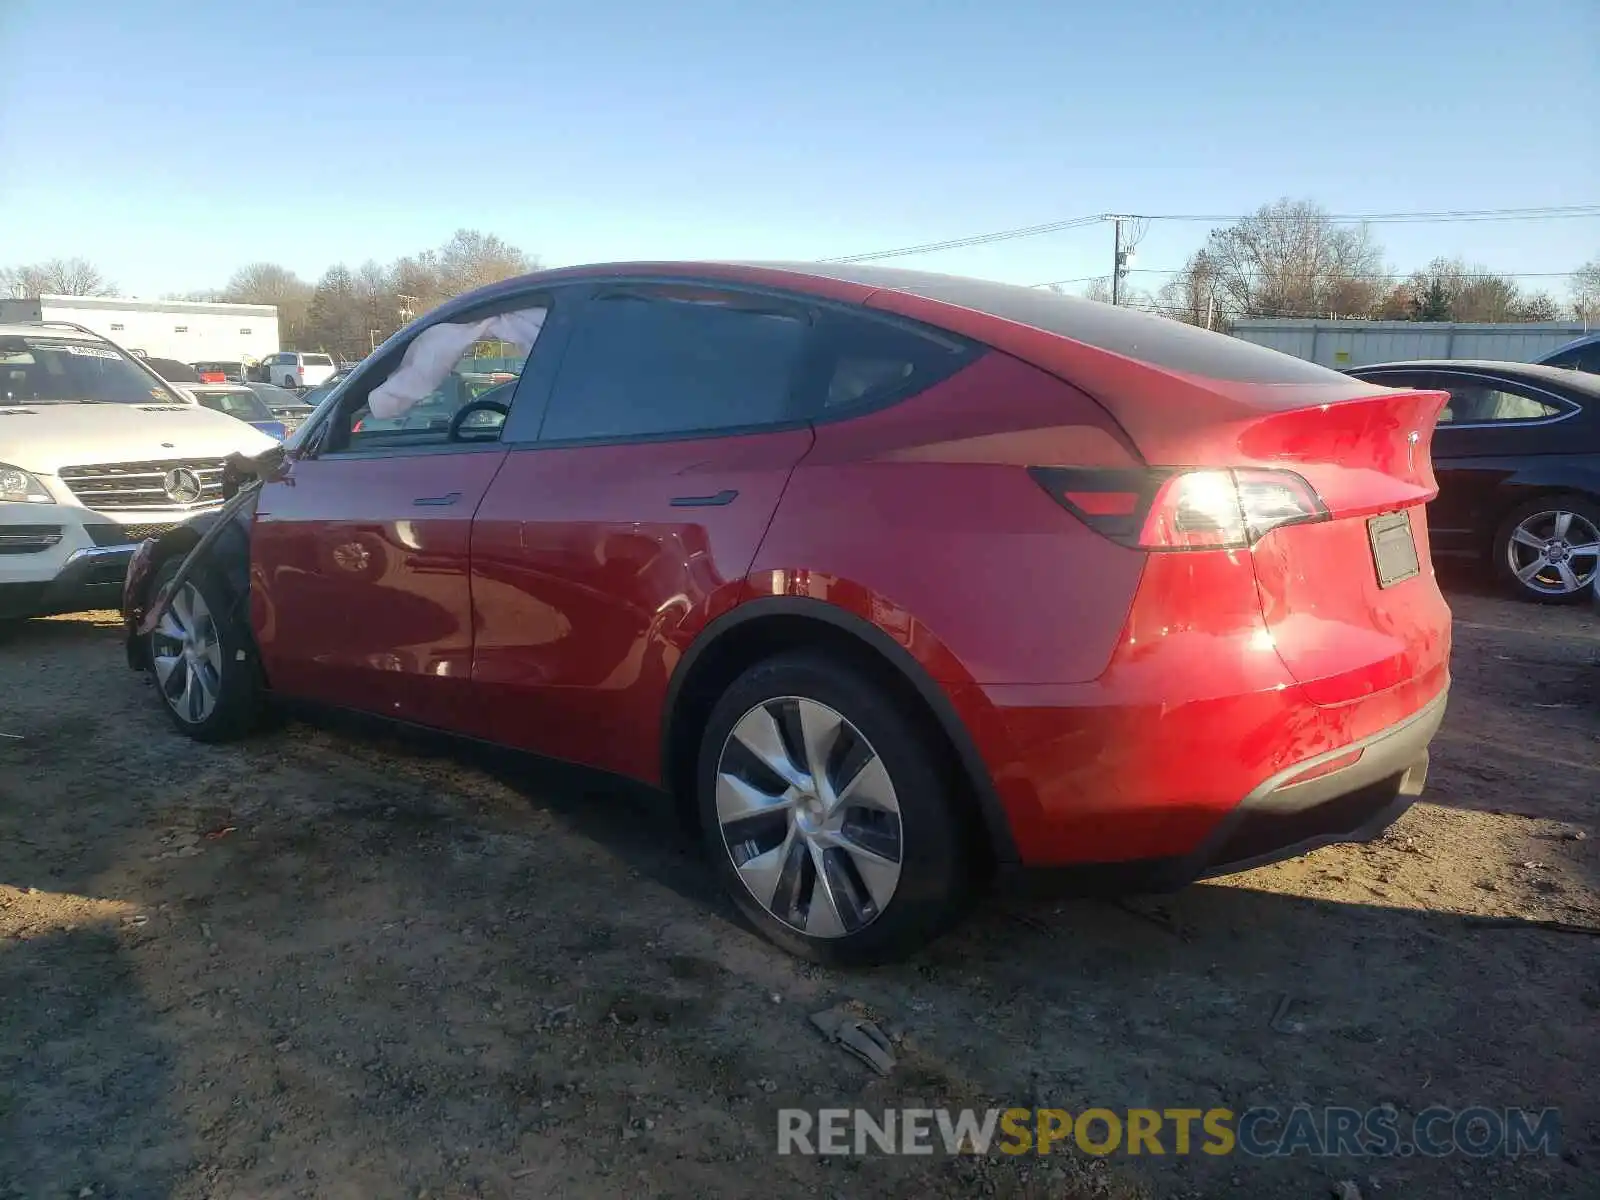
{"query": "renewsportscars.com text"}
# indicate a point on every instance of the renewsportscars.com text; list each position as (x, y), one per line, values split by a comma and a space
(1261, 1132)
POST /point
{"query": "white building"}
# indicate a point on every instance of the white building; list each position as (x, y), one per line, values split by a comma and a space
(186, 330)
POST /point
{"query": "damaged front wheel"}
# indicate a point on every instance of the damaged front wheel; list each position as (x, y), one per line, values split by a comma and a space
(201, 660)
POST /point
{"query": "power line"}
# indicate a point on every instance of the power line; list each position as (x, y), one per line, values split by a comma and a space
(1442, 217)
(981, 239)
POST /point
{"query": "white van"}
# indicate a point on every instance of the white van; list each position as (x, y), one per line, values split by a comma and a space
(97, 453)
(292, 369)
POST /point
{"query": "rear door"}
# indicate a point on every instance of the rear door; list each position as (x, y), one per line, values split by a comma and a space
(629, 515)
(361, 595)
(1487, 433)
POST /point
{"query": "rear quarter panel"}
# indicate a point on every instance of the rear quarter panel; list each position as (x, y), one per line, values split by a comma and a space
(924, 514)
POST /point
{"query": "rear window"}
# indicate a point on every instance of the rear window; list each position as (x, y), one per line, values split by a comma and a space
(244, 404)
(62, 371)
(1160, 341)
(317, 360)
(281, 397)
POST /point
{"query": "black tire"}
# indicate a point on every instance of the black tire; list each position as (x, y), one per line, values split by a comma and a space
(1543, 591)
(936, 877)
(239, 694)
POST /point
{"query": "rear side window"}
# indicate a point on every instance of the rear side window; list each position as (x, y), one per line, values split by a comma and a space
(316, 360)
(1160, 341)
(1482, 403)
(867, 362)
(244, 404)
(662, 360)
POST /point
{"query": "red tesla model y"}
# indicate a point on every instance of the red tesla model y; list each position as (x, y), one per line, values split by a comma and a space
(894, 580)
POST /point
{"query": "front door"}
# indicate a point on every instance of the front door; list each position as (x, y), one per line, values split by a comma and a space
(360, 553)
(631, 520)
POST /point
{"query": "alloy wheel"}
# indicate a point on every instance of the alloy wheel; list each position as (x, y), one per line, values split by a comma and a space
(186, 651)
(1554, 553)
(809, 817)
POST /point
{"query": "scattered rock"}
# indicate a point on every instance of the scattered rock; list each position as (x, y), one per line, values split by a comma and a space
(1346, 1190)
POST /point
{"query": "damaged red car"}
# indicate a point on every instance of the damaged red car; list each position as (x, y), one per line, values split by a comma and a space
(896, 582)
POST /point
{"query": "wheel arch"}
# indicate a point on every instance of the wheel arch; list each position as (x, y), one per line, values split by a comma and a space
(763, 627)
(1523, 489)
(228, 550)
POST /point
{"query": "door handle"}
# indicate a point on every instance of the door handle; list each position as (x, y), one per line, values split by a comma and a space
(438, 501)
(726, 496)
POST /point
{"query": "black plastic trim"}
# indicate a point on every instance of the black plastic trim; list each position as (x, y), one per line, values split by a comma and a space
(726, 496)
(996, 822)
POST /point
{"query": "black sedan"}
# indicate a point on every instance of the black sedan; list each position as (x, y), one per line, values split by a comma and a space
(1517, 455)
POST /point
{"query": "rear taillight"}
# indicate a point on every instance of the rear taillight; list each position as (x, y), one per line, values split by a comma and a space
(1183, 510)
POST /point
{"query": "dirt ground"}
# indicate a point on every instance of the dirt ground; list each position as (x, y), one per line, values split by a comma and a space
(323, 964)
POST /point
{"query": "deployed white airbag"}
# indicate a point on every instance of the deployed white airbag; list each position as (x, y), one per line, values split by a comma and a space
(435, 351)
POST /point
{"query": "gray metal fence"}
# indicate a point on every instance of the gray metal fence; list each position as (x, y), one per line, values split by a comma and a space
(1341, 344)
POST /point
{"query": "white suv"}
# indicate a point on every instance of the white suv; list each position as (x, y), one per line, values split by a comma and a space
(97, 453)
(292, 369)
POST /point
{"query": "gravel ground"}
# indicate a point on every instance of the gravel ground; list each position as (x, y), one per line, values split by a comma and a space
(334, 964)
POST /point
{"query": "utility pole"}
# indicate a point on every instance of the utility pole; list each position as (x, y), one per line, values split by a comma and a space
(1116, 259)
(1119, 256)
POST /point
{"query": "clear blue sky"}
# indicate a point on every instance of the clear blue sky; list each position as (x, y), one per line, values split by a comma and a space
(170, 141)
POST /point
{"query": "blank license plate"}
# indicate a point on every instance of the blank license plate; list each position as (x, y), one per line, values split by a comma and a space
(1394, 549)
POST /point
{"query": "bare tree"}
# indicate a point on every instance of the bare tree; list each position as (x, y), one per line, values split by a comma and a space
(1190, 296)
(380, 307)
(1290, 259)
(1540, 306)
(1098, 289)
(55, 277)
(1586, 292)
(471, 259)
(336, 320)
(417, 284)
(1450, 289)
(269, 283)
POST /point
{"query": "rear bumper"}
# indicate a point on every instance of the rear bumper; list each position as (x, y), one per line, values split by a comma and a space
(1282, 819)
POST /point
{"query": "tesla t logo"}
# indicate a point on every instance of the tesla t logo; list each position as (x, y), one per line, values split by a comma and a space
(181, 485)
(1412, 439)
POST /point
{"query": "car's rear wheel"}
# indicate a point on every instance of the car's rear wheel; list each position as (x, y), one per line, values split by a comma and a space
(1548, 550)
(830, 814)
(202, 659)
